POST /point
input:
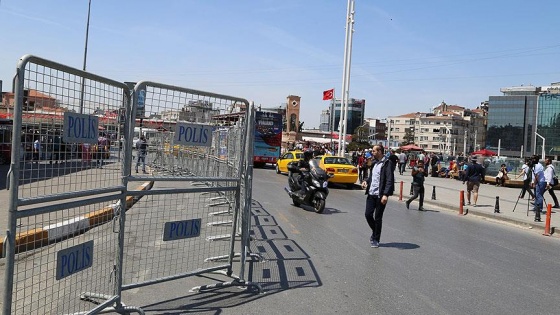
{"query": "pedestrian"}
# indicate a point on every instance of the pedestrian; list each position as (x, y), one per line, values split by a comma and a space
(502, 175)
(475, 175)
(37, 149)
(539, 183)
(379, 186)
(394, 159)
(549, 175)
(527, 173)
(402, 162)
(362, 167)
(102, 149)
(417, 185)
(142, 148)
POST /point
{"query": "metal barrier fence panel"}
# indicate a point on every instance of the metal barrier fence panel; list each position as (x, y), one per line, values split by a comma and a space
(65, 181)
(185, 225)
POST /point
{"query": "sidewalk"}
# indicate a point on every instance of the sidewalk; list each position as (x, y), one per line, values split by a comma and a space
(447, 192)
(31, 237)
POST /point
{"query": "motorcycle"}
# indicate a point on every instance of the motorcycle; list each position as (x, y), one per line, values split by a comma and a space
(316, 182)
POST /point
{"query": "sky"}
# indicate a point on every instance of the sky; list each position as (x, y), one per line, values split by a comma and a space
(407, 56)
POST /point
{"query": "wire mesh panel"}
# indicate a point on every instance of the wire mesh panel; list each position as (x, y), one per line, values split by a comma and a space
(185, 225)
(51, 279)
(65, 182)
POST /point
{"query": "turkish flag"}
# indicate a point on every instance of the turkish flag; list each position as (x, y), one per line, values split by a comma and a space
(328, 94)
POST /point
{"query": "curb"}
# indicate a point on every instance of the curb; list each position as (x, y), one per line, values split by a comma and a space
(494, 216)
(37, 238)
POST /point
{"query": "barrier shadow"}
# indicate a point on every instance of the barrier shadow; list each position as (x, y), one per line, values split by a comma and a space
(284, 265)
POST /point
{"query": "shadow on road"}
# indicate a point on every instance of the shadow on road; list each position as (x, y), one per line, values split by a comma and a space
(284, 266)
(400, 245)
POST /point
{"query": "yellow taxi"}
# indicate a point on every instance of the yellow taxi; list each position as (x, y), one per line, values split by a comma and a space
(282, 163)
(342, 169)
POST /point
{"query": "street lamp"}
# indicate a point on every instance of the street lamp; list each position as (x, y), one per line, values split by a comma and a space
(85, 59)
(543, 143)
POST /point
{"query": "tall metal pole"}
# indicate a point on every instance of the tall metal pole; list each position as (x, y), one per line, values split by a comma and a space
(346, 75)
(85, 59)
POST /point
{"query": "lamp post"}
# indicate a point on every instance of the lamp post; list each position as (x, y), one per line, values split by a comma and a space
(85, 59)
(543, 144)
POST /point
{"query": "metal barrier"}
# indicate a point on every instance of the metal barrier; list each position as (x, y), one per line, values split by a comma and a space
(62, 188)
(70, 190)
(205, 155)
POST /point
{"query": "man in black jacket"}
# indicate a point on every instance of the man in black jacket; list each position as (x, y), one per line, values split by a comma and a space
(379, 186)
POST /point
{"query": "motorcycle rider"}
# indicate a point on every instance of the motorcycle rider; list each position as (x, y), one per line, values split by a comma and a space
(303, 167)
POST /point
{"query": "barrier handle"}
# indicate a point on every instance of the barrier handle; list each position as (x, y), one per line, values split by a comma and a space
(461, 201)
(547, 223)
(400, 194)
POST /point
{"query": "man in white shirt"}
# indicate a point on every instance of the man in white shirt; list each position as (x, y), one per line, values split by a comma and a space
(549, 173)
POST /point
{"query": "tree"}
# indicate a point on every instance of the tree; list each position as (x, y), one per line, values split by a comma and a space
(408, 137)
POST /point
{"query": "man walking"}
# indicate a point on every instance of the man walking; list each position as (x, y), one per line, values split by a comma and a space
(142, 147)
(379, 186)
(475, 174)
(402, 162)
(417, 185)
(539, 183)
(549, 174)
(527, 172)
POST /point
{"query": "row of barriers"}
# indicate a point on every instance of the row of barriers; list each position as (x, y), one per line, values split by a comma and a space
(79, 233)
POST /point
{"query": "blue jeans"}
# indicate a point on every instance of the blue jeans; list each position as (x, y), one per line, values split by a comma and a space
(539, 198)
(141, 158)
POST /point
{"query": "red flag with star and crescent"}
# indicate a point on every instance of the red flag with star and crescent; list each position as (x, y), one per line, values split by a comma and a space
(328, 94)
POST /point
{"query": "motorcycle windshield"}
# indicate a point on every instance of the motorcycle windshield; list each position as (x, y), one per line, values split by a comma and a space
(316, 170)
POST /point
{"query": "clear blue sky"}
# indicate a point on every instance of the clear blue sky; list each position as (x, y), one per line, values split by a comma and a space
(407, 55)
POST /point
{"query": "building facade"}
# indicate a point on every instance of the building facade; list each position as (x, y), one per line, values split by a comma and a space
(355, 118)
(448, 129)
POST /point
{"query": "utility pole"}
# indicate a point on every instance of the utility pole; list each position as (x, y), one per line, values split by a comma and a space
(346, 76)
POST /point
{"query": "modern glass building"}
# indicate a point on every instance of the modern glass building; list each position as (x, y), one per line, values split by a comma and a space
(548, 124)
(511, 124)
(520, 119)
(356, 111)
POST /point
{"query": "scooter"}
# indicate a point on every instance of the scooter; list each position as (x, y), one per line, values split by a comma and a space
(316, 190)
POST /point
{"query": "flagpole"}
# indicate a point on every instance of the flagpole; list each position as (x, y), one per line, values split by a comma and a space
(346, 74)
(332, 118)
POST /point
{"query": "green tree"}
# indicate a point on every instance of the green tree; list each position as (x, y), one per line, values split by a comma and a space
(408, 137)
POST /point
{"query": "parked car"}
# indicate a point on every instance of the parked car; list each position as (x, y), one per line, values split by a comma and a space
(282, 163)
(342, 169)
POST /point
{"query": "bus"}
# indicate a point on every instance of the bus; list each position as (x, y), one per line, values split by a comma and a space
(268, 138)
(6, 128)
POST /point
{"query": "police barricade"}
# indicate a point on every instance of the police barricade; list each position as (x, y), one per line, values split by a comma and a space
(60, 199)
(170, 232)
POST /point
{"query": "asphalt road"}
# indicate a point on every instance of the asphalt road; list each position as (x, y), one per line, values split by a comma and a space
(432, 262)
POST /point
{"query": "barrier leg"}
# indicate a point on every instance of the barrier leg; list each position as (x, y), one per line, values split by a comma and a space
(434, 193)
(497, 207)
(400, 195)
(547, 223)
(461, 201)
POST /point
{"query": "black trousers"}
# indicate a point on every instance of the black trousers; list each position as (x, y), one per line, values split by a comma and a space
(418, 191)
(526, 187)
(374, 215)
(553, 195)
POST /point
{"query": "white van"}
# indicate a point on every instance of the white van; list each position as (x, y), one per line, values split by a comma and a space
(151, 135)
